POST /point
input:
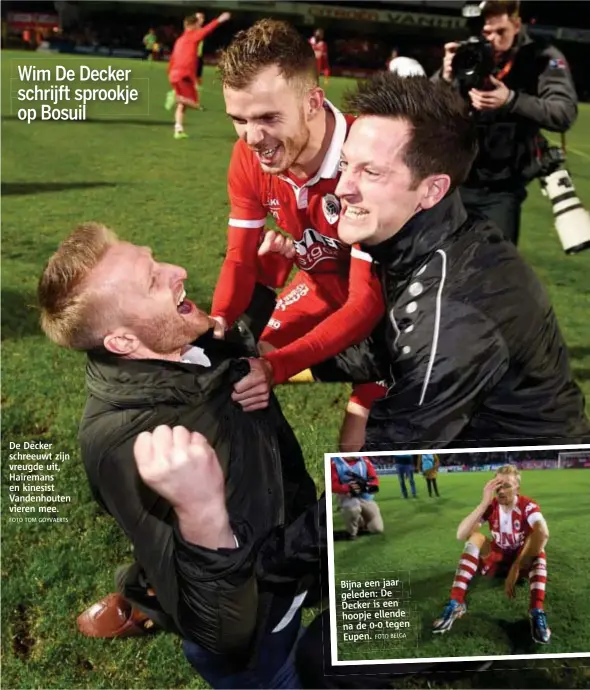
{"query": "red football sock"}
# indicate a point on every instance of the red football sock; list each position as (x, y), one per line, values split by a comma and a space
(466, 569)
(537, 581)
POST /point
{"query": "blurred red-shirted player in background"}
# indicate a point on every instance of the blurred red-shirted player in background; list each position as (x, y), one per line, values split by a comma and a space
(320, 50)
(182, 67)
(286, 164)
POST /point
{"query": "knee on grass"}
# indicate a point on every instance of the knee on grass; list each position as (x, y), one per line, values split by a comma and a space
(353, 508)
(375, 527)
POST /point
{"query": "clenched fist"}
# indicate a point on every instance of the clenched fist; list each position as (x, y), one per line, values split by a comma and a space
(253, 391)
(183, 468)
(277, 243)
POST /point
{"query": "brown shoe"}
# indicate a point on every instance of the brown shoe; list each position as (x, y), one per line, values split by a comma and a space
(114, 616)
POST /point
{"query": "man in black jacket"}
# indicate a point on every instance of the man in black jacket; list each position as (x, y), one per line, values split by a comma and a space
(473, 350)
(531, 88)
(470, 344)
(232, 588)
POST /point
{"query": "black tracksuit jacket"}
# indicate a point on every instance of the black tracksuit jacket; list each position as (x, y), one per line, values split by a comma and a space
(225, 599)
(470, 343)
(544, 98)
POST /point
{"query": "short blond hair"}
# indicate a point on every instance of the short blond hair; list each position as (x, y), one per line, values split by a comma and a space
(69, 314)
(511, 470)
(266, 43)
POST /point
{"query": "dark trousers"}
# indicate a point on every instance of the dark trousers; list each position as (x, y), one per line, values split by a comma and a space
(501, 207)
(431, 484)
(275, 667)
(406, 472)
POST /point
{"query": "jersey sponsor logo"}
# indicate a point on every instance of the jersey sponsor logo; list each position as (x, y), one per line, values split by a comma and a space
(331, 208)
(274, 324)
(314, 247)
(273, 207)
(530, 508)
(508, 541)
(290, 298)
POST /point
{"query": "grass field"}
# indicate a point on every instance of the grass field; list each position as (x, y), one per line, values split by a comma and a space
(123, 168)
(420, 539)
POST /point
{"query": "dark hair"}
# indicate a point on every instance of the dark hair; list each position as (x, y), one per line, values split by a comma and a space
(443, 138)
(268, 42)
(498, 8)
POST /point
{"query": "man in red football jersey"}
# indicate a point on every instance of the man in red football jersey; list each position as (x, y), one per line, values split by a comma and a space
(182, 67)
(320, 50)
(285, 164)
(516, 549)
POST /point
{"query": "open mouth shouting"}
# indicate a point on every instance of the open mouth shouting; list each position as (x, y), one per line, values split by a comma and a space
(184, 305)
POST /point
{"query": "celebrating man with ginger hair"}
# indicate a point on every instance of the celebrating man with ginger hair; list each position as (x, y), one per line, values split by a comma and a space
(153, 366)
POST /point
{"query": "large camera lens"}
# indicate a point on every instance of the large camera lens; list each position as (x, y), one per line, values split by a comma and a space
(467, 60)
(473, 62)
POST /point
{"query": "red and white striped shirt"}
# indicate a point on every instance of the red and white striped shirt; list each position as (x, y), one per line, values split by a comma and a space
(511, 526)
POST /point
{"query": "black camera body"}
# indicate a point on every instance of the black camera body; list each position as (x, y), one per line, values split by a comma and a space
(473, 64)
(550, 158)
(363, 484)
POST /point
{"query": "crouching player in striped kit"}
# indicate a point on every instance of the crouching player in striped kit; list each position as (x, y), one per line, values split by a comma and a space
(515, 550)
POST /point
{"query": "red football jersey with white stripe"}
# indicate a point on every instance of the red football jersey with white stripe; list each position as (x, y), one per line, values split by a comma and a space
(308, 211)
(510, 528)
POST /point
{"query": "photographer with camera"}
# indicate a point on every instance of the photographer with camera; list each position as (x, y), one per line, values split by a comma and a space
(516, 86)
(355, 483)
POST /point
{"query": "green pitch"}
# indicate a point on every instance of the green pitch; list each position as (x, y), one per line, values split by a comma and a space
(420, 539)
(122, 167)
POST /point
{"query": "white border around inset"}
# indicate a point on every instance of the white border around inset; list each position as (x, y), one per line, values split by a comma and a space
(332, 574)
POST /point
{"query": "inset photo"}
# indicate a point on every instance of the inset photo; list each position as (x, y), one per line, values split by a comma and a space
(453, 555)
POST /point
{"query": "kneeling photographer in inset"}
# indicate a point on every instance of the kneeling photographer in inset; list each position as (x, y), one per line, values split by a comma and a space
(355, 483)
(516, 85)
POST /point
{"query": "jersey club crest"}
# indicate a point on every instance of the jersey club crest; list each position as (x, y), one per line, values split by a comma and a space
(331, 207)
